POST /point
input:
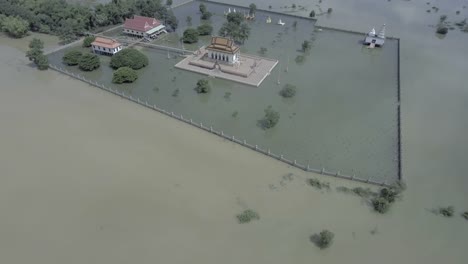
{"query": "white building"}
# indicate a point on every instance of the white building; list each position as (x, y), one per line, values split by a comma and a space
(223, 50)
(141, 26)
(106, 46)
(375, 40)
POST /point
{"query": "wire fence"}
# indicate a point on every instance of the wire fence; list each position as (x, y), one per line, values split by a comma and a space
(220, 133)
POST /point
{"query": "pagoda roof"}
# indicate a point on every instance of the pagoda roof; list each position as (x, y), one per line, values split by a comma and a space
(223, 44)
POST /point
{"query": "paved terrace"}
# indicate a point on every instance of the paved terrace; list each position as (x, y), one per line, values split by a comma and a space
(252, 70)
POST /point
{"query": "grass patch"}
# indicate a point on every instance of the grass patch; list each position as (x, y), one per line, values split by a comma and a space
(247, 216)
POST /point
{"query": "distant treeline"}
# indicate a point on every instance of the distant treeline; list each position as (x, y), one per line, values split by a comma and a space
(71, 20)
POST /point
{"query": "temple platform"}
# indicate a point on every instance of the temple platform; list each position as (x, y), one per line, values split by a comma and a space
(250, 69)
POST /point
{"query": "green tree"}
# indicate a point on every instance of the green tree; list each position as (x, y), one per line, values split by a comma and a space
(236, 18)
(380, 205)
(72, 57)
(129, 58)
(14, 26)
(329, 10)
(203, 86)
(252, 9)
(206, 15)
(293, 6)
(263, 50)
(235, 28)
(189, 20)
(205, 29)
(324, 239)
(312, 13)
(190, 36)
(42, 62)
(306, 45)
(270, 119)
(169, 2)
(124, 75)
(288, 91)
(89, 62)
(202, 8)
(294, 24)
(88, 40)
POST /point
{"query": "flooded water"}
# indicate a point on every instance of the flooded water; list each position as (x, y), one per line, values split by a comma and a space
(89, 178)
(344, 117)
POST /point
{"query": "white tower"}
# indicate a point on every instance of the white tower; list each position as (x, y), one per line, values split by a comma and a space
(382, 32)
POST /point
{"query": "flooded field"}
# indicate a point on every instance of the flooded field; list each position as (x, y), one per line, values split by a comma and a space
(86, 177)
(344, 117)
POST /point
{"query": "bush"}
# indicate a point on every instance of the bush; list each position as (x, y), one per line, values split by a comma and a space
(329, 10)
(465, 215)
(447, 211)
(306, 45)
(312, 13)
(202, 8)
(318, 184)
(205, 29)
(443, 18)
(263, 50)
(206, 15)
(203, 86)
(72, 57)
(89, 62)
(380, 205)
(190, 36)
(247, 216)
(288, 91)
(42, 62)
(124, 75)
(324, 239)
(270, 119)
(88, 40)
(129, 58)
(14, 26)
(442, 30)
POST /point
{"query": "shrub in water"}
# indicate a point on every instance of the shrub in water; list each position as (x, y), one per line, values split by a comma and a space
(465, 215)
(329, 10)
(247, 216)
(288, 91)
(318, 184)
(129, 58)
(447, 211)
(72, 57)
(442, 30)
(205, 29)
(124, 75)
(190, 36)
(380, 205)
(324, 239)
(270, 119)
(89, 62)
(203, 86)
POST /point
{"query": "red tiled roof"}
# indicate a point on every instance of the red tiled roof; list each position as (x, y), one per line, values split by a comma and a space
(141, 23)
(105, 42)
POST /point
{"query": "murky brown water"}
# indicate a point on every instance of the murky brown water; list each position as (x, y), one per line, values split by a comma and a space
(89, 178)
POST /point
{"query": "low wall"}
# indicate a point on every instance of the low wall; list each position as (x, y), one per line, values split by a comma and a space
(221, 133)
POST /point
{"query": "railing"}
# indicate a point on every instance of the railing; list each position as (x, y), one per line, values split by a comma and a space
(221, 133)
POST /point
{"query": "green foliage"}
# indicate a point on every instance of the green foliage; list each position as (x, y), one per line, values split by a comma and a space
(329, 10)
(89, 62)
(270, 119)
(443, 18)
(168, 2)
(300, 59)
(14, 26)
(72, 57)
(465, 215)
(288, 91)
(88, 40)
(247, 216)
(235, 28)
(359, 191)
(190, 36)
(203, 86)
(129, 58)
(293, 6)
(205, 29)
(448, 211)
(323, 239)
(188, 20)
(252, 9)
(124, 75)
(206, 16)
(263, 50)
(306, 46)
(202, 8)
(380, 205)
(442, 30)
(318, 184)
(42, 62)
(312, 13)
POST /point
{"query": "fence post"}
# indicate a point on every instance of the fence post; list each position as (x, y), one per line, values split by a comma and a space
(322, 171)
(256, 147)
(191, 122)
(268, 152)
(308, 168)
(295, 163)
(211, 129)
(281, 157)
(338, 173)
(201, 124)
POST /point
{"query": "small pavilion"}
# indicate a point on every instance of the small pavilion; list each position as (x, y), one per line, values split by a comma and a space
(223, 50)
(375, 40)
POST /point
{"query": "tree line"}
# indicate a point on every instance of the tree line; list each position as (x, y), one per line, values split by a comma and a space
(71, 20)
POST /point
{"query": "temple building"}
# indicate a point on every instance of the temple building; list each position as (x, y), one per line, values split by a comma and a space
(223, 50)
(106, 46)
(141, 26)
(375, 40)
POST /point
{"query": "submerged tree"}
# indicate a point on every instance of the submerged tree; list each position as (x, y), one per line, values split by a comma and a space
(270, 119)
(323, 239)
(190, 36)
(205, 29)
(306, 46)
(288, 91)
(124, 75)
(72, 57)
(203, 86)
(89, 62)
(235, 28)
(36, 55)
(312, 13)
(252, 9)
(129, 58)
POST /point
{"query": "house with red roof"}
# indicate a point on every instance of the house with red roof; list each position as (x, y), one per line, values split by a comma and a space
(141, 26)
(106, 46)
